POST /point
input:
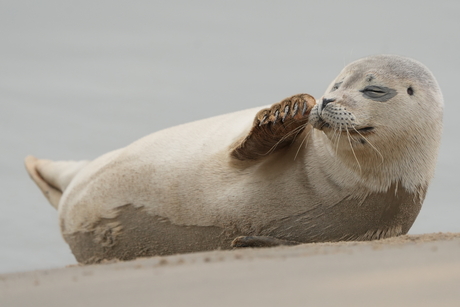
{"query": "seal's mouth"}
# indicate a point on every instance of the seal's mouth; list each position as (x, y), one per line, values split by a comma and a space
(335, 122)
(355, 130)
(365, 129)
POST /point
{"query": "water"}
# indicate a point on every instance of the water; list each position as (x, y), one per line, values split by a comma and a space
(78, 79)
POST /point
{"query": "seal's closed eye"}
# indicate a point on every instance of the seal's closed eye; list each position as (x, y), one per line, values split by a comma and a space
(378, 93)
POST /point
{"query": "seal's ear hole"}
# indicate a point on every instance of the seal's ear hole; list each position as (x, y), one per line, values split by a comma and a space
(410, 91)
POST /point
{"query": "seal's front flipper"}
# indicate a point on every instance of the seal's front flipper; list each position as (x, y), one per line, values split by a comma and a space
(261, 241)
(275, 127)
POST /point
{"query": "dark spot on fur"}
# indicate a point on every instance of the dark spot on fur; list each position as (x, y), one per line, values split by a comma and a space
(410, 91)
(336, 86)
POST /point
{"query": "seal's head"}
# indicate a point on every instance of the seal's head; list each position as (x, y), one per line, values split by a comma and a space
(383, 108)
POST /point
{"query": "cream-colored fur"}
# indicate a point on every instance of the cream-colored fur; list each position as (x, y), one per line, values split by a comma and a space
(407, 128)
(328, 185)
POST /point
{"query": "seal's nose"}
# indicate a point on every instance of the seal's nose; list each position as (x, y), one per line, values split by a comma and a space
(326, 101)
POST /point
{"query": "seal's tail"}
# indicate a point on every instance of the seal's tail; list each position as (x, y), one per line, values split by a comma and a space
(52, 177)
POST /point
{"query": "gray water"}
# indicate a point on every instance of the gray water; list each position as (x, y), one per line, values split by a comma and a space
(81, 78)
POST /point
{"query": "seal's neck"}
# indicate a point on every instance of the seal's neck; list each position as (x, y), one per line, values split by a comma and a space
(375, 167)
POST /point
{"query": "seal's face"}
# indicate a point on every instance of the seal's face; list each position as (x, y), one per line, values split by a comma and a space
(352, 102)
(382, 117)
(377, 99)
(348, 103)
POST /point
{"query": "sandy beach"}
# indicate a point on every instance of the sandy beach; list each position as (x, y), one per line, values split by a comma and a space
(414, 270)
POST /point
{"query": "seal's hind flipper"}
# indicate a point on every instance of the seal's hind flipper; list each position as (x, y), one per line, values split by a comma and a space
(261, 241)
(51, 193)
(275, 127)
(52, 177)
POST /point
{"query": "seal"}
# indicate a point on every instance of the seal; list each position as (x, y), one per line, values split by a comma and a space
(354, 165)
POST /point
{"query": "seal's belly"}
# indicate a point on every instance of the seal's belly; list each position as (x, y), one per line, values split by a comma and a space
(135, 233)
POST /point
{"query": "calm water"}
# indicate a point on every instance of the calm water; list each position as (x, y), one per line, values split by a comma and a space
(79, 79)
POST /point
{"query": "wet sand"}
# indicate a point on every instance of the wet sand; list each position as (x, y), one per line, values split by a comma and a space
(422, 270)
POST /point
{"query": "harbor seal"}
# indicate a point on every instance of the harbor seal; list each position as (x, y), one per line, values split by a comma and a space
(354, 165)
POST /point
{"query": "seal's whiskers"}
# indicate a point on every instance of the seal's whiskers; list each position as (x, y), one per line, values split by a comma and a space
(352, 150)
(372, 145)
(290, 133)
(306, 143)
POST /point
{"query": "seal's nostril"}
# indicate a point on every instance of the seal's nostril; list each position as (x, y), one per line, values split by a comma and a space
(326, 101)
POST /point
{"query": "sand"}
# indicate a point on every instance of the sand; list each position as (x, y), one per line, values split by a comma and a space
(405, 271)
